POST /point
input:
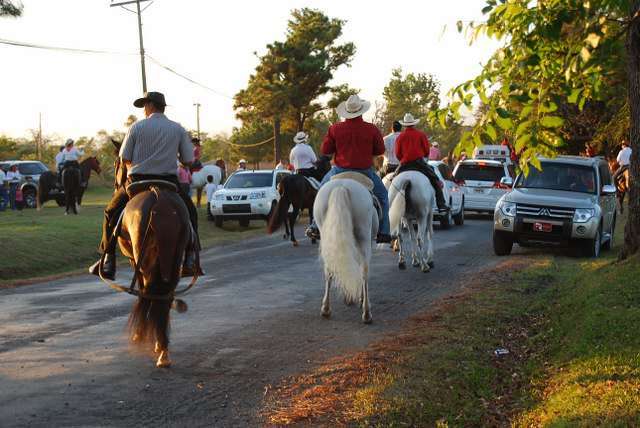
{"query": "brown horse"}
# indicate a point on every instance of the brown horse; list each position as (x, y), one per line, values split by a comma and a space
(622, 185)
(49, 181)
(154, 234)
(296, 191)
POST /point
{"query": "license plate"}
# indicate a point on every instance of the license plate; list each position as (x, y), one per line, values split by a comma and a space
(477, 190)
(542, 227)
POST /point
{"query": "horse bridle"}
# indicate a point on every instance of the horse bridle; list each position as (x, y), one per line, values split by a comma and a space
(136, 273)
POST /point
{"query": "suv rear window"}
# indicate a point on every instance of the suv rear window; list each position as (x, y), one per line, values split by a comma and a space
(31, 168)
(479, 172)
(247, 181)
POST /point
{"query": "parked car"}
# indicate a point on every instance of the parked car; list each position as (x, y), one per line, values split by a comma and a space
(481, 184)
(247, 195)
(452, 194)
(572, 201)
(30, 171)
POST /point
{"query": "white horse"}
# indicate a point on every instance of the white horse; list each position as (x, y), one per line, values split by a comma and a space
(412, 201)
(348, 225)
(199, 179)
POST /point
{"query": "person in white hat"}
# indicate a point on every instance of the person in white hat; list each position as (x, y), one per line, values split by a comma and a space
(302, 156)
(242, 165)
(412, 147)
(354, 143)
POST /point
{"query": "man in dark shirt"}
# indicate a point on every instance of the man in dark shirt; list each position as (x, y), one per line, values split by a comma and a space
(354, 143)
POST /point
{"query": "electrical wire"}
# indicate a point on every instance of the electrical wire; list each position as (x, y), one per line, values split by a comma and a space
(244, 146)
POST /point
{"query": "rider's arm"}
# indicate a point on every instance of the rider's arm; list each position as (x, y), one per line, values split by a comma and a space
(314, 158)
(328, 144)
(378, 143)
(129, 142)
(398, 148)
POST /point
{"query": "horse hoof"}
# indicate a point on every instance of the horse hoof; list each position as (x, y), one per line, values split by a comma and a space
(402, 265)
(285, 237)
(163, 360)
(426, 269)
(295, 243)
(431, 265)
(313, 241)
(367, 318)
(415, 263)
(326, 314)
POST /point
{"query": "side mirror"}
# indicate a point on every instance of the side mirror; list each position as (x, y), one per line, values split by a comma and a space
(506, 181)
(609, 189)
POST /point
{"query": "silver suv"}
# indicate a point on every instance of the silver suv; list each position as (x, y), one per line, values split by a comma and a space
(570, 202)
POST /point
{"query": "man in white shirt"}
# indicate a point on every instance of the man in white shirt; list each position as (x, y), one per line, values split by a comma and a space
(209, 189)
(4, 195)
(13, 177)
(624, 159)
(302, 156)
(390, 160)
(59, 158)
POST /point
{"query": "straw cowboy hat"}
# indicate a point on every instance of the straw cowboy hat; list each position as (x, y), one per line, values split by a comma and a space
(353, 107)
(409, 120)
(301, 137)
(242, 161)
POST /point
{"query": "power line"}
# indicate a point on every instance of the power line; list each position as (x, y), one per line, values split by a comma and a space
(105, 52)
(244, 146)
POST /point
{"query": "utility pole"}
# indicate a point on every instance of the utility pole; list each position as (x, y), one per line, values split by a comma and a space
(39, 142)
(139, 13)
(197, 105)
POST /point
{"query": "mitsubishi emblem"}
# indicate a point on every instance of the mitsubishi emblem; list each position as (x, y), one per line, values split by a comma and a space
(544, 212)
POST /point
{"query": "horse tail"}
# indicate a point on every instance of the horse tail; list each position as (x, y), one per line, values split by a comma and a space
(338, 249)
(279, 214)
(399, 207)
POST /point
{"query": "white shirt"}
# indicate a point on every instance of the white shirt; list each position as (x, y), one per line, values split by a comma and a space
(390, 149)
(13, 177)
(210, 189)
(71, 155)
(302, 156)
(59, 157)
(624, 156)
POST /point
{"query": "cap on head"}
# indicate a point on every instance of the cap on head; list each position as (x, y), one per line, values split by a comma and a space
(68, 143)
(154, 97)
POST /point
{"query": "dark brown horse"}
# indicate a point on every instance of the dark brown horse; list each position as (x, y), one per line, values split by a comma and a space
(48, 182)
(155, 232)
(295, 190)
(622, 184)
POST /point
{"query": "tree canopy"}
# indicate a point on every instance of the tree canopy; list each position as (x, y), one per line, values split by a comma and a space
(10, 8)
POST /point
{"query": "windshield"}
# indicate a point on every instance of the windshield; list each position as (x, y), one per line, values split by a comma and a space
(560, 176)
(246, 181)
(479, 172)
(31, 168)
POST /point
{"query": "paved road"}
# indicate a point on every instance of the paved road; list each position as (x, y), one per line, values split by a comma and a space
(64, 357)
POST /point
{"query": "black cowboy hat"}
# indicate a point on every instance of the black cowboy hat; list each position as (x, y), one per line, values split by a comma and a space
(155, 97)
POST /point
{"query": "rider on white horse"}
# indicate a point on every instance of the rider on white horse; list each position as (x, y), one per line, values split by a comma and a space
(302, 156)
(354, 143)
(412, 146)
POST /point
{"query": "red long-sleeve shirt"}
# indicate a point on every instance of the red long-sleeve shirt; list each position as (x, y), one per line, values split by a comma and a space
(411, 145)
(354, 143)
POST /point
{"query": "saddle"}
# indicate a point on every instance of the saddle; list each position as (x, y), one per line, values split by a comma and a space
(365, 181)
(144, 185)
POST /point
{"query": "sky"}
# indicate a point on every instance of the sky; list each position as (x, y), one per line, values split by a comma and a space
(211, 42)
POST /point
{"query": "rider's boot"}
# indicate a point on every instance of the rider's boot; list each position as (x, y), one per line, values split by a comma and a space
(109, 268)
(189, 266)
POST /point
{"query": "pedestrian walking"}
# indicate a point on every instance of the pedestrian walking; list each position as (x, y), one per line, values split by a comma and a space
(4, 193)
(624, 159)
(13, 177)
(434, 151)
(184, 178)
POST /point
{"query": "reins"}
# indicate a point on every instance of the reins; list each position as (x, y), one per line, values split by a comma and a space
(136, 273)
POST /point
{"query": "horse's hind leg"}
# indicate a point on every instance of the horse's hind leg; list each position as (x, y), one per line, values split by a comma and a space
(292, 224)
(366, 305)
(160, 316)
(422, 232)
(416, 250)
(325, 311)
(402, 248)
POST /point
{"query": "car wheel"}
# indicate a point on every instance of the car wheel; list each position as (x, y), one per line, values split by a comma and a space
(29, 196)
(459, 218)
(591, 247)
(609, 244)
(446, 220)
(502, 243)
(244, 222)
(218, 221)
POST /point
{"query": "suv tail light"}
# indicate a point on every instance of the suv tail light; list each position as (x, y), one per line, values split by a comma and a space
(498, 185)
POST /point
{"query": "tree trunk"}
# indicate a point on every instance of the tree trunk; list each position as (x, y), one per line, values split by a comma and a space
(277, 151)
(632, 229)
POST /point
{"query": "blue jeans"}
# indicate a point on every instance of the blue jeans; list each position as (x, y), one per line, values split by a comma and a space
(378, 189)
(4, 197)
(12, 195)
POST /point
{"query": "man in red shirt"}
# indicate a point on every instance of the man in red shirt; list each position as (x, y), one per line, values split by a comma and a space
(412, 146)
(354, 143)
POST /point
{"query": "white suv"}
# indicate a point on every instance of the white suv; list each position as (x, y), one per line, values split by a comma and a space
(481, 184)
(247, 195)
(452, 194)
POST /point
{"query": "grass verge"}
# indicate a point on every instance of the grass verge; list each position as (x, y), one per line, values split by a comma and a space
(574, 357)
(46, 244)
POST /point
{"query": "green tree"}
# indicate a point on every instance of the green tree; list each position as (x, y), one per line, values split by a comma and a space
(10, 9)
(554, 52)
(292, 75)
